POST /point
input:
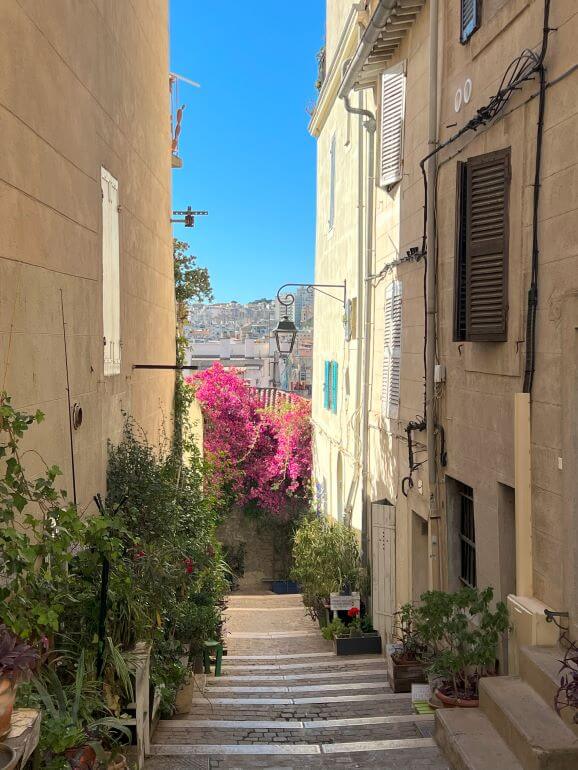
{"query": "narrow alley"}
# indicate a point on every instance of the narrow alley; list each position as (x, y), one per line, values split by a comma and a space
(285, 700)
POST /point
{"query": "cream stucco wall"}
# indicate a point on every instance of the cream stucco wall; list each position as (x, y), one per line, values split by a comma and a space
(475, 404)
(84, 85)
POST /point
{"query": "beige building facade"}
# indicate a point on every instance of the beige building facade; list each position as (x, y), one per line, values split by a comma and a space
(85, 241)
(451, 444)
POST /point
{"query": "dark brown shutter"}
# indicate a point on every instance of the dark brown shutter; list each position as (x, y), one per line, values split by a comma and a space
(488, 183)
(460, 294)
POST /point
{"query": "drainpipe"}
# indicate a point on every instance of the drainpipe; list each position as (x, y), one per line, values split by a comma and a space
(360, 307)
(431, 300)
(370, 126)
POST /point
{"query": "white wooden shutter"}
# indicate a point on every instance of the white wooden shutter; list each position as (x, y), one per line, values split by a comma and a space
(391, 384)
(110, 274)
(392, 116)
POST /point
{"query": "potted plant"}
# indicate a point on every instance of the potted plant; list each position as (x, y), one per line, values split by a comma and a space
(17, 659)
(406, 663)
(463, 633)
(69, 731)
(325, 561)
(357, 637)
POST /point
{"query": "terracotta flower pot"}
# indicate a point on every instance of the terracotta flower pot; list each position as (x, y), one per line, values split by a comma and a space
(118, 763)
(451, 702)
(7, 698)
(82, 758)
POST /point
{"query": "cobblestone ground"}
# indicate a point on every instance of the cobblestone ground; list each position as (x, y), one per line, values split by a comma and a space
(286, 701)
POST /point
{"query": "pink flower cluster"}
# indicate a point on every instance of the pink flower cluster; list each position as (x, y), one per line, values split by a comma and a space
(260, 455)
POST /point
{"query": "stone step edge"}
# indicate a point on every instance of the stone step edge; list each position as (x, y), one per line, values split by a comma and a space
(338, 662)
(280, 724)
(371, 672)
(290, 748)
(213, 688)
(298, 701)
(283, 657)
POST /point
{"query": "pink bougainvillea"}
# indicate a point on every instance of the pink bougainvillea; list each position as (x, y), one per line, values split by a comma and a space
(260, 456)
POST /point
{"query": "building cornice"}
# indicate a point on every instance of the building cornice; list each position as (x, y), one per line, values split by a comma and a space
(328, 94)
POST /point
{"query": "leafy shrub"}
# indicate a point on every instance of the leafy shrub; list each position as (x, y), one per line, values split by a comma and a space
(463, 633)
(325, 560)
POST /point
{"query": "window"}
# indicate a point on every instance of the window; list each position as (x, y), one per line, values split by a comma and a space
(467, 535)
(481, 264)
(332, 150)
(470, 18)
(330, 386)
(110, 274)
(392, 116)
(391, 385)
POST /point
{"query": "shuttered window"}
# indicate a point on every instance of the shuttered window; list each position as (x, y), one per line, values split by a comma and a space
(110, 274)
(481, 286)
(391, 384)
(330, 385)
(469, 19)
(392, 117)
(326, 379)
(334, 382)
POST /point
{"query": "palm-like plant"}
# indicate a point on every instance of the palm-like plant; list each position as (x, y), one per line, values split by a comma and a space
(69, 719)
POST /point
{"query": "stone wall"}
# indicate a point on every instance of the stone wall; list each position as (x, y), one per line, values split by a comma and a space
(261, 547)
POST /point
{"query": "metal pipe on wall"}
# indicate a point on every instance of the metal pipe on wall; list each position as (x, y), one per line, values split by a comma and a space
(370, 126)
(431, 299)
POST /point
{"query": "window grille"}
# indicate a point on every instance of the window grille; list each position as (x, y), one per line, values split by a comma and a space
(467, 536)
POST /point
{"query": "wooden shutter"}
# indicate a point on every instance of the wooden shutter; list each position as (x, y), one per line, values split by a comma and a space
(469, 19)
(326, 385)
(488, 182)
(110, 274)
(392, 116)
(391, 376)
(334, 370)
(460, 294)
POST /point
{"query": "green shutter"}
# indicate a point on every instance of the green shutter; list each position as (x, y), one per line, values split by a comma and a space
(334, 370)
(326, 385)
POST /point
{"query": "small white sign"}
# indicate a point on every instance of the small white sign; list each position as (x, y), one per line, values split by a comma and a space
(338, 602)
(420, 692)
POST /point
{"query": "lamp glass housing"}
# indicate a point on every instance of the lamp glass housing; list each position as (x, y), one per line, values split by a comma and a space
(285, 335)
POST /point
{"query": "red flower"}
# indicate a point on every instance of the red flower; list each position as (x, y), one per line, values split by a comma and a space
(139, 555)
(353, 612)
(189, 566)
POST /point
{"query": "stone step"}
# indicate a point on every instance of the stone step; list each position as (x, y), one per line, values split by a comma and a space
(392, 759)
(344, 676)
(297, 655)
(186, 732)
(300, 712)
(302, 690)
(331, 664)
(470, 742)
(290, 749)
(537, 736)
(540, 668)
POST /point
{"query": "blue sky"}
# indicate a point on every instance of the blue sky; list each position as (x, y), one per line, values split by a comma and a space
(248, 158)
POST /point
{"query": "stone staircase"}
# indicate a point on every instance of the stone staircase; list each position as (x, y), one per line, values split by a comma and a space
(516, 726)
(285, 700)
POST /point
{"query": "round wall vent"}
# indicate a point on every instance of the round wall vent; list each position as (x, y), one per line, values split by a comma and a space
(467, 91)
(458, 100)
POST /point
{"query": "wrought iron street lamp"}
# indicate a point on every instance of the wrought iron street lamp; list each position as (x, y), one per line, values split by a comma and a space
(285, 335)
(286, 331)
